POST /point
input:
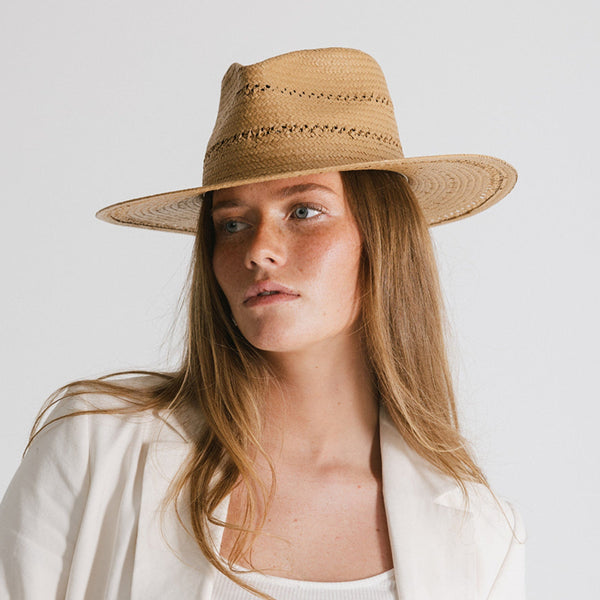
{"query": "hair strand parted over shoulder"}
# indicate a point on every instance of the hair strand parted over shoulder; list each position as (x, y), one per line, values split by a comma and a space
(403, 320)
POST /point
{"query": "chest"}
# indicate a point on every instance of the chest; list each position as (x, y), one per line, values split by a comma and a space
(319, 529)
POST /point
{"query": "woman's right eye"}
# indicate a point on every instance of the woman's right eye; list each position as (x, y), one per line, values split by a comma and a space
(233, 226)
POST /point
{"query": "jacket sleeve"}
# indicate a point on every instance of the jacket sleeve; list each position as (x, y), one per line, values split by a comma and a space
(510, 581)
(41, 511)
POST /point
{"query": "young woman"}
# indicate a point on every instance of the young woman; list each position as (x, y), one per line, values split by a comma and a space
(308, 446)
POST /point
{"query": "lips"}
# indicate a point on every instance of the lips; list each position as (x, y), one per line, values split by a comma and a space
(266, 289)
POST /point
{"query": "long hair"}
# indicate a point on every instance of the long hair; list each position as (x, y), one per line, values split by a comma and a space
(222, 378)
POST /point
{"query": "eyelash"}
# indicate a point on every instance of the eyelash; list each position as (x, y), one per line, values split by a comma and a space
(222, 225)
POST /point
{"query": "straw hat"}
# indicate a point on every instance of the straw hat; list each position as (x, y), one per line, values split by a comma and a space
(313, 111)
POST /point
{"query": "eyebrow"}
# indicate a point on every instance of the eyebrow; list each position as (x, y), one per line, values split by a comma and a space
(285, 192)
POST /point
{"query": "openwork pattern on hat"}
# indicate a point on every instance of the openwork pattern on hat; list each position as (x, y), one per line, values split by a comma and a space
(295, 128)
(254, 88)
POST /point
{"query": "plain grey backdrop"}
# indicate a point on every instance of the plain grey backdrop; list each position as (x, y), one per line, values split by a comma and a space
(104, 102)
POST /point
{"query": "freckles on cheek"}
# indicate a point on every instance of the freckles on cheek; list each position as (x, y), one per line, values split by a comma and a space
(220, 269)
(339, 265)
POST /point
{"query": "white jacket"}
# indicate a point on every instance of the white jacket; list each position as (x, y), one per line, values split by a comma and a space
(80, 520)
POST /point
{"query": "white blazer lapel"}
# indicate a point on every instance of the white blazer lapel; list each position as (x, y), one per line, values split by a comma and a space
(439, 549)
(168, 563)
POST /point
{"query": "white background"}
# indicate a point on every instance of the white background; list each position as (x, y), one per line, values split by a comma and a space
(107, 101)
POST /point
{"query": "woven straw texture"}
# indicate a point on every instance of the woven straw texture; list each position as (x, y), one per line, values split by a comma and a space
(314, 111)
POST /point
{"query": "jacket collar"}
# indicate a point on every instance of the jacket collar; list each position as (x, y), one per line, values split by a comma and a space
(431, 561)
(439, 550)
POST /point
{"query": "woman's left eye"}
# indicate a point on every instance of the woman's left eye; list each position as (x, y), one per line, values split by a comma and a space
(304, 212)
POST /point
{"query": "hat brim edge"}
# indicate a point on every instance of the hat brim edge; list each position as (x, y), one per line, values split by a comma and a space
(123, 213)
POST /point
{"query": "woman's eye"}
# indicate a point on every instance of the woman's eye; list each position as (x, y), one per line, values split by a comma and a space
(233, 226)
(303, 212)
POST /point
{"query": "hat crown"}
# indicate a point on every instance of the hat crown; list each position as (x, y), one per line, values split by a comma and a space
(300, 111)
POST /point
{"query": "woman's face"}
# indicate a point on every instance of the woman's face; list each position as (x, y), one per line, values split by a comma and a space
(296, 240)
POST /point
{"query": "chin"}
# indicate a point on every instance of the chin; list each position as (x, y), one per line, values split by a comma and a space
(276, 339)
(274, 343)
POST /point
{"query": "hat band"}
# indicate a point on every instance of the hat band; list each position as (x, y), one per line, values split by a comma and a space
(288, 147)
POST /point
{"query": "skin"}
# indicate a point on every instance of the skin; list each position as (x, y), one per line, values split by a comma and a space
(327, 519)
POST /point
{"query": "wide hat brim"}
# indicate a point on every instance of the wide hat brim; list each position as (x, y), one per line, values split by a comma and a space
(447, 187)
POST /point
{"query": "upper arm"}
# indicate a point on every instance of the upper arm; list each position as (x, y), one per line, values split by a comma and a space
(510, 580)
(41, 511)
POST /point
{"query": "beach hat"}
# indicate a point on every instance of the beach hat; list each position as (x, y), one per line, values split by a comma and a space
(313, 111)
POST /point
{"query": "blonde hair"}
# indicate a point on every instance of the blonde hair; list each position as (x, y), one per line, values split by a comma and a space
(222, 378)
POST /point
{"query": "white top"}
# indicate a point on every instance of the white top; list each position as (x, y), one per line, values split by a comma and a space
(378, 587)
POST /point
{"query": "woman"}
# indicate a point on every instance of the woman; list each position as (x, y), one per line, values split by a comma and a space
(308, 446)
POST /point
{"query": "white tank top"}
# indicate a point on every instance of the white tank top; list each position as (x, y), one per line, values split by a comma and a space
(378, 587)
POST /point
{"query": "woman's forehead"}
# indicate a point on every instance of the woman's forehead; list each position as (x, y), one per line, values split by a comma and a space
(281, 188)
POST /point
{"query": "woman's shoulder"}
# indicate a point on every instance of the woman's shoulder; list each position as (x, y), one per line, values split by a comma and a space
(92, 445)
(109, 418)
(91, 472)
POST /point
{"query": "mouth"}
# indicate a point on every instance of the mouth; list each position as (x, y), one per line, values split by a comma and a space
(268, 298)
(268, 289)
(268, 293)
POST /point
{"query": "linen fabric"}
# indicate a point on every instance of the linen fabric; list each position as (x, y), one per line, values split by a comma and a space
(82, 518)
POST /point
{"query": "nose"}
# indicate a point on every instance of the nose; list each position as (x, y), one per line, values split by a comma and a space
(266, 247)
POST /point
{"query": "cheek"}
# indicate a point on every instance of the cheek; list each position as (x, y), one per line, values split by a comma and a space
(335, 262)
(224, 267)
(217, 267)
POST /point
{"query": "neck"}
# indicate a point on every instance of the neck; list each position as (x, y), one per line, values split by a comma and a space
(324, 407)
